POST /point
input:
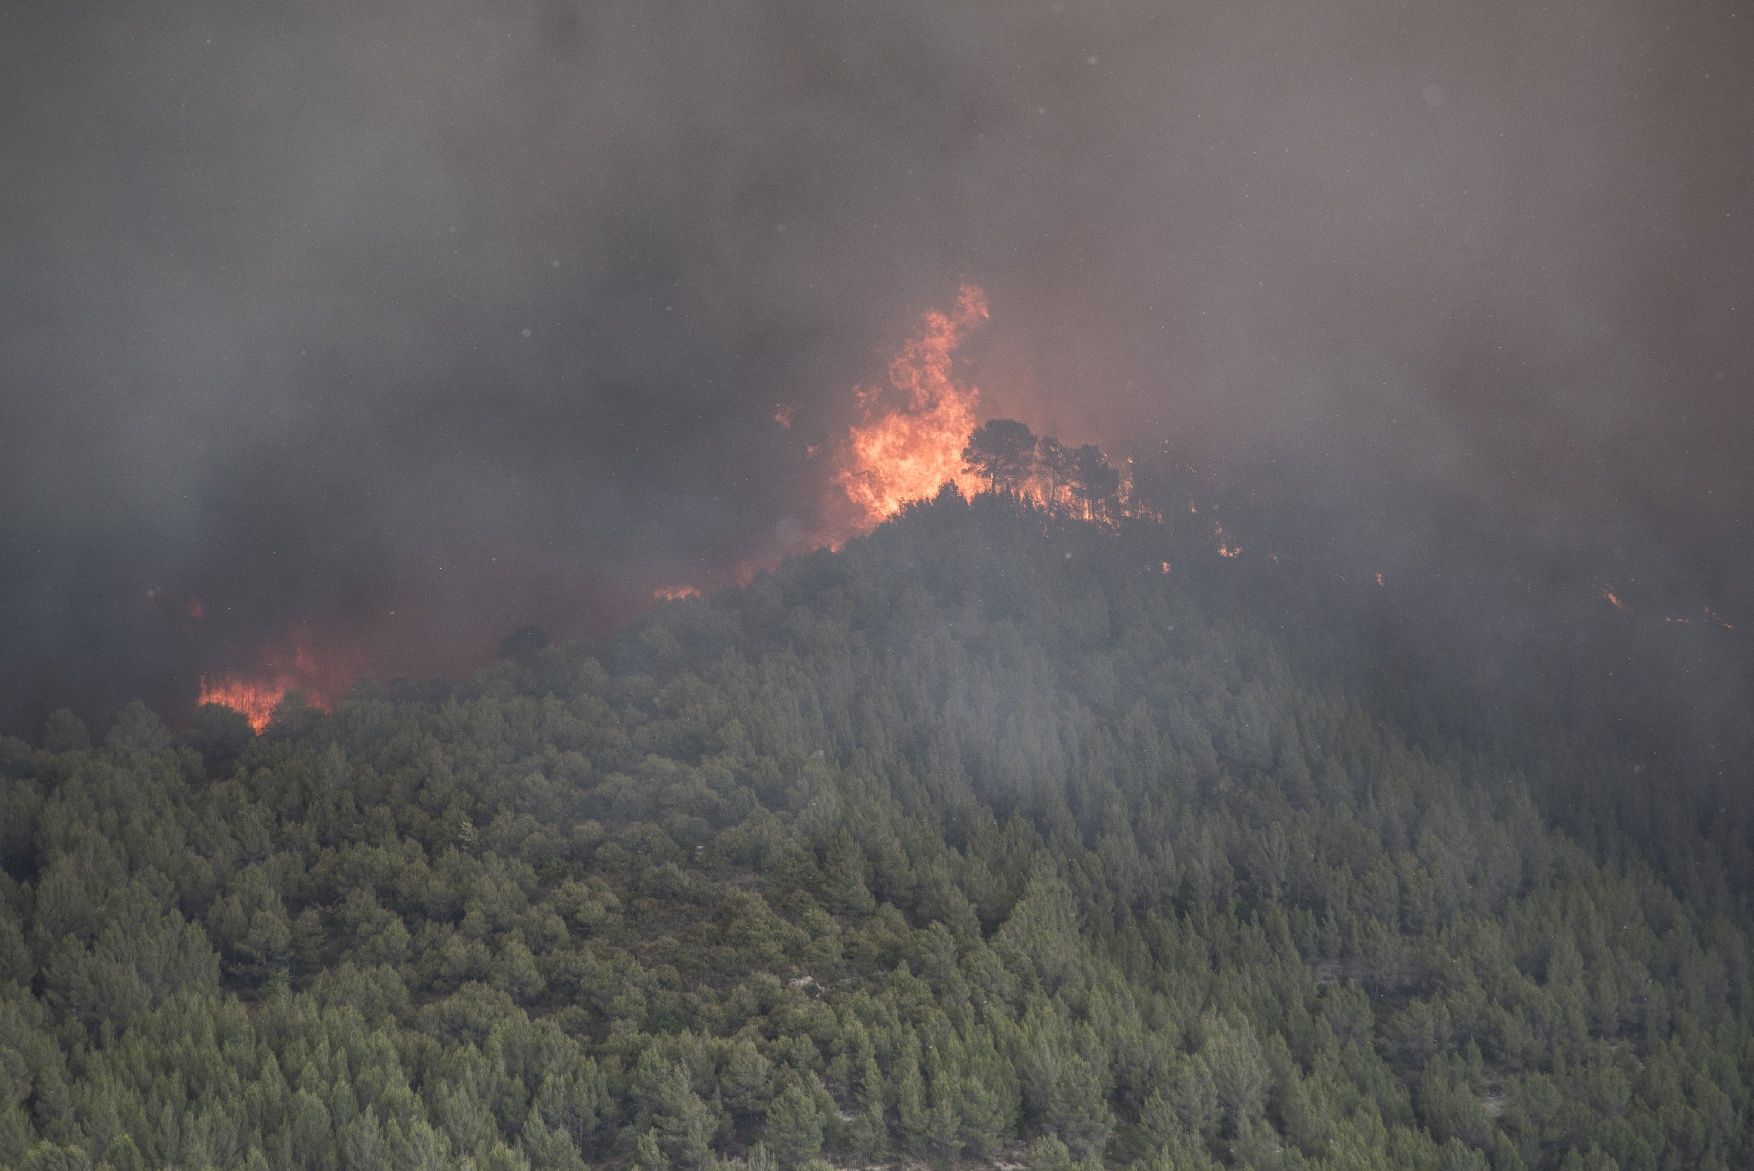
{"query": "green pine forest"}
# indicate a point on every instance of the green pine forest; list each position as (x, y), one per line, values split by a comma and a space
(983, 842)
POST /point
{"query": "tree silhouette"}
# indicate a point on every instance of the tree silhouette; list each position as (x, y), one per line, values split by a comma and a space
(1057, 469)
(1003, 452)
(1096, 483)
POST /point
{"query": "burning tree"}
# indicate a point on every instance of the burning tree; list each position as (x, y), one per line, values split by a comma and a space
(1070, 481)
(1095, 484)
(917, 432)
(1055, 468)
(1002, 452)
(913, 428)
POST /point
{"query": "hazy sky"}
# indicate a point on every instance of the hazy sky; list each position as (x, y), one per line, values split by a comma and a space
(419, 320)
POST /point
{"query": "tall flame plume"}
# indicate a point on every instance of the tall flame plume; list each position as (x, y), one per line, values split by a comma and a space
(909, 439)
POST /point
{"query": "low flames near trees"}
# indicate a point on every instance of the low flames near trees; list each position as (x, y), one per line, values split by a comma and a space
(918, 429)
(917, 433)
(1078, 482)
(319, 677)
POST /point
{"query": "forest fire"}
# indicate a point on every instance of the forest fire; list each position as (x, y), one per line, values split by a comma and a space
(254, 699)
(912, 432)
(918, 433)
(918, 430)
(255, 694)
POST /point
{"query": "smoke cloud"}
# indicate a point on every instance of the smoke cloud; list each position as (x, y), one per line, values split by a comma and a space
(409, 323)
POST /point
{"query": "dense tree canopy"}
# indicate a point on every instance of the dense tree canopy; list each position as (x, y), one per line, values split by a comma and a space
(982, 838)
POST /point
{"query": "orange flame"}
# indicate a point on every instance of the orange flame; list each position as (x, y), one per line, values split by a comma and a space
(911, 433)
(914, 427)
(1613, 599)
(255, 694)
(676, 593)
(254, 700)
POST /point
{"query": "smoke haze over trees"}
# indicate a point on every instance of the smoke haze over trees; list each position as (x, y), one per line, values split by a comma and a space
(982, 839)
(412, 323)
(1153, 585)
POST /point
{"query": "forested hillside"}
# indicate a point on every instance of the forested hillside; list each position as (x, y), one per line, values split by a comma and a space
(983, 840)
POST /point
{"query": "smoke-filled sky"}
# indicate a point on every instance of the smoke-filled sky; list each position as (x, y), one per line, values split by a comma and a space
(417, 321)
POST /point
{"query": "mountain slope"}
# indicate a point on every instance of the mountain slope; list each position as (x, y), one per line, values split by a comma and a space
(982, 838)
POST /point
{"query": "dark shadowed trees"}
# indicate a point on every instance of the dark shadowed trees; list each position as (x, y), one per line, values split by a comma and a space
(1056, 468)
(1002, 452)
(1095, 483)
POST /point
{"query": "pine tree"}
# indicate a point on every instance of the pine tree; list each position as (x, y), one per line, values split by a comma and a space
(647, 1156)
(683, 1121)
(548, 1148)
(794, 1125)
(913, 1122)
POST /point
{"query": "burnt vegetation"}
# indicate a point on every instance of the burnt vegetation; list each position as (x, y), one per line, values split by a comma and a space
(983, 839)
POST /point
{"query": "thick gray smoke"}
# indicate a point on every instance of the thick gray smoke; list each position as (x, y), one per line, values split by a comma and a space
(416, 321)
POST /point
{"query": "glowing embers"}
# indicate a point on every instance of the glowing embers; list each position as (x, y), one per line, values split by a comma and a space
(1707, 617)
(911, 434)
(294, 665)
